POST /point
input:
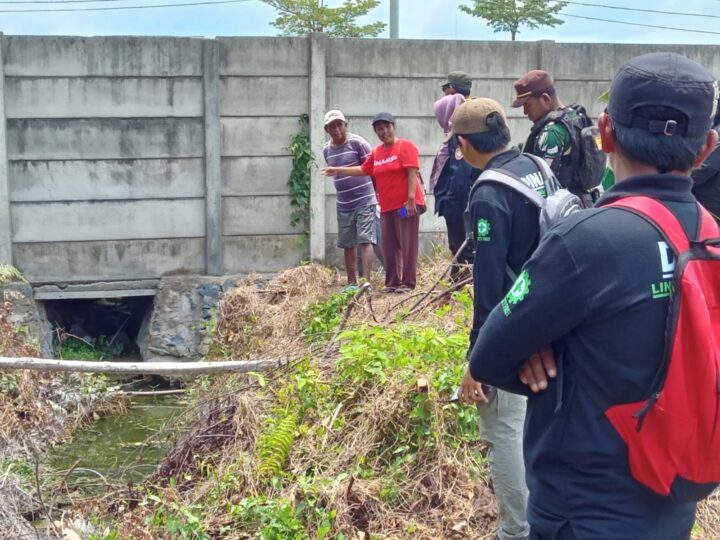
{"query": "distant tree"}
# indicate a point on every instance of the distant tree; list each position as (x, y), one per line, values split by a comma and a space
(510, 15)
(300, 17)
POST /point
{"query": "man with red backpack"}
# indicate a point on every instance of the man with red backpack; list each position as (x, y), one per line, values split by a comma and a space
(620, 434)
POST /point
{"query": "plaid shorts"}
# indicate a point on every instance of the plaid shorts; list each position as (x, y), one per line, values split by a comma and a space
(356, 226)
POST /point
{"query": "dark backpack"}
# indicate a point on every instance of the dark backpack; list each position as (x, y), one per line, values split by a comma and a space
(673, 437)
(587, 160)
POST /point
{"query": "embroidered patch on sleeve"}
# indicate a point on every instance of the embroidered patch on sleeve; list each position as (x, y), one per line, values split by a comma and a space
(518, 292)
(483, 230)
(553, 141)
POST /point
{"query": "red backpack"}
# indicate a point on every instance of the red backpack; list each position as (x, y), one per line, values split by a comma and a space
(673, 438)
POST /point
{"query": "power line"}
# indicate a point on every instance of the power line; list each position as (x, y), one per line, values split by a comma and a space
(634, 9)
(114, 8)
(640, 24)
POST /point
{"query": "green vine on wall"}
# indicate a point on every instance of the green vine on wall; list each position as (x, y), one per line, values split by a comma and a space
(299, 181)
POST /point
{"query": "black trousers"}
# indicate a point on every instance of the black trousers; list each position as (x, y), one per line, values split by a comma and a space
(456, 237)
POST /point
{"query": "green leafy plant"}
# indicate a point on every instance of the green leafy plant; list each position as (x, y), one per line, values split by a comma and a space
(9, 273)
(325, 316)
(79, 349)
(273, 519)
(180, 520)
(299, 181)
(274, 445)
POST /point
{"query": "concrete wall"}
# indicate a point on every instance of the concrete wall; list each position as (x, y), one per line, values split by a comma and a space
(129, 158)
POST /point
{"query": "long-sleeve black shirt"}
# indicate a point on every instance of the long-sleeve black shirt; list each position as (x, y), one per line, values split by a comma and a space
(593, 290)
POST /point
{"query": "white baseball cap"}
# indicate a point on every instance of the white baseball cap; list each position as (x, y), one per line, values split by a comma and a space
(333, 115)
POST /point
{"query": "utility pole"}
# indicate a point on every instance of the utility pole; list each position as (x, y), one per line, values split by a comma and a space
(394, 19)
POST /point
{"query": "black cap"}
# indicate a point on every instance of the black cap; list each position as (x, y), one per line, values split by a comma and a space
(665, 80)
(383, 117)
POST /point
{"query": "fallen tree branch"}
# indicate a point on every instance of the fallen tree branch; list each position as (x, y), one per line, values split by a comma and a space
(449, 267)
(148, 368)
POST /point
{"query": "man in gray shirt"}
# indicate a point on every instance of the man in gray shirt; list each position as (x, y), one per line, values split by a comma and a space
(356, 199)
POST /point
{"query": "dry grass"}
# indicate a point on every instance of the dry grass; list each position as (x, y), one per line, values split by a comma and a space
(442, 493)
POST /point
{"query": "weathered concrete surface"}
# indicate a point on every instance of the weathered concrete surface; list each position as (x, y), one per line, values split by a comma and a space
(108, 220)
(128, 97)
(271, 96)
(257, 215)
(36, 139)
(98, 289)
(257, 136)
(256, 175)
(263, 253)
(112, 260)
(264, 56)
(182, 309)
(55, 56)
(5, 219)
(213, 160)
(75, 180)
(28, 316)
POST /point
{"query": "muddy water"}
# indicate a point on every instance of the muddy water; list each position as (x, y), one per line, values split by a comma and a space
(120, 447)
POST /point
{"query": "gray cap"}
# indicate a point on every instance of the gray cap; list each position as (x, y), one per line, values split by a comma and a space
(383, 117)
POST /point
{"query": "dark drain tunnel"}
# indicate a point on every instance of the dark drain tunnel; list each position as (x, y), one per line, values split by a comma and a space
(97, 328)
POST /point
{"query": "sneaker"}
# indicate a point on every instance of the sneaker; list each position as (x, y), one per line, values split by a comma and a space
(387, 290)
(352, 287)
(402, 289)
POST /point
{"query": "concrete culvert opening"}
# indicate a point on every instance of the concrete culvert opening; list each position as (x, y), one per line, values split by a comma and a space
(97, 328)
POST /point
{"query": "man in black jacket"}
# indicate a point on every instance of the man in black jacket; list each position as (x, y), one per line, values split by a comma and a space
(506, 231)
(590, 291)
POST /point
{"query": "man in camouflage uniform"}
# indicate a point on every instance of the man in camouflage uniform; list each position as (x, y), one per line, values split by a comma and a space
(548, 139)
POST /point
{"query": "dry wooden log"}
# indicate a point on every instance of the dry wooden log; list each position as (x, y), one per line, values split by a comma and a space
(147, 368)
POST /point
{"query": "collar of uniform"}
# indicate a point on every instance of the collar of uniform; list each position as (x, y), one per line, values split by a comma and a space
(658, 186)
(501, 159)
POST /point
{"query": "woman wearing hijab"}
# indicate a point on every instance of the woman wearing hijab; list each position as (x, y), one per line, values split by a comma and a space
(450, 182)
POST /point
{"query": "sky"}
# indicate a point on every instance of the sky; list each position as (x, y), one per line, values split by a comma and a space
(419, 19)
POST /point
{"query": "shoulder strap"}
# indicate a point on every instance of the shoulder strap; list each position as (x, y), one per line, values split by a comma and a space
(657, 214)
(506, 178)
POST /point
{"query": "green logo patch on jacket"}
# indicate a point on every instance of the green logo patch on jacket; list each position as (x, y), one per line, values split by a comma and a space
(483, 230)
(518, 292)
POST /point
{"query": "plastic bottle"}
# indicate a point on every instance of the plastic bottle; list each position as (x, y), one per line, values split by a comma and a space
(402, 212)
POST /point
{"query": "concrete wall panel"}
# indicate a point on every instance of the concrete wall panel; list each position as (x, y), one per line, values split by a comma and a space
(263, 96)
(273, 253)
(430, 58)
(599, 61)
(117, 56)
(105, 138)
(253, 175)
(96, 97)
(257, 215)
(109, 260)
(108, 220)
(366, 96)
(257, 136)
(269, 56)
(36, 181)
